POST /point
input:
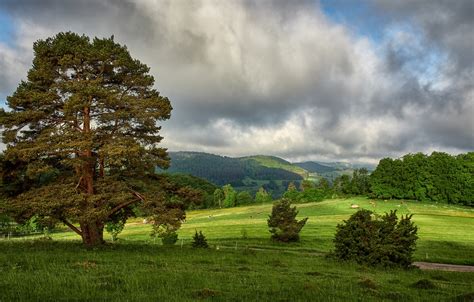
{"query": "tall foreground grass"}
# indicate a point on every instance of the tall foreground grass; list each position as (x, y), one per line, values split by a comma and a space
(66, 271)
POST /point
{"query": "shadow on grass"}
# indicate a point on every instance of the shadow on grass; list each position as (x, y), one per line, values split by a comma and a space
(445, 252)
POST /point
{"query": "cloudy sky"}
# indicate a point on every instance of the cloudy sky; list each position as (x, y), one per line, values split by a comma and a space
(304, 80)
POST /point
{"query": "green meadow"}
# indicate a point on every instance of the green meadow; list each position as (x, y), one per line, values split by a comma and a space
(446, 233)
(242, 263)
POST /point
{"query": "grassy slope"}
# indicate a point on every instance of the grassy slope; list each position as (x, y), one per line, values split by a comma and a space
(445, 231)
(276, 162)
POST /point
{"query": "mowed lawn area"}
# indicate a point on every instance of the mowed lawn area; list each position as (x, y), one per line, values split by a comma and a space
(242, 263)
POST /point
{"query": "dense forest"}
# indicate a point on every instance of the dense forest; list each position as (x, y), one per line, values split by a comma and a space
(439, 177)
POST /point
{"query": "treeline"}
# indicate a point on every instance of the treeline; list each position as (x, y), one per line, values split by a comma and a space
(438, 177)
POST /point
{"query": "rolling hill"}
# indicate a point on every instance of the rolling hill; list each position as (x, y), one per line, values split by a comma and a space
(242, 173)
(278, 163)
(252, 172)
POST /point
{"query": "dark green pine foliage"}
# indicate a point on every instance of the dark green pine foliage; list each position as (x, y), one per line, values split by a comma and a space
(376, 240)
(82, 137)
(199, 240)
(282, 222)
(439, 177)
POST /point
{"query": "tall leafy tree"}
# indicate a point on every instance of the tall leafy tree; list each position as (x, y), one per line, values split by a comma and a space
(230, 196)
(262, 196)
(82, 136)
(218, 197)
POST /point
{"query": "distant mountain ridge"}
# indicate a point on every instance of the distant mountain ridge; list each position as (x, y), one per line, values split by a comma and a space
(315, 167)
(222, 170)
(252, 172)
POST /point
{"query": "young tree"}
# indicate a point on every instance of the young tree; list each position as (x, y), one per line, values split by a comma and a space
(282, 222)
(230, 196)
(82, 136)
(292, 193)
(244, 197)
(307, 185)
(218, 197)
(199, 240)
(262, 196)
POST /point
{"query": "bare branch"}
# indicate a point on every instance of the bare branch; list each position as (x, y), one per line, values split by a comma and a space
(79, 183)
(72, 227)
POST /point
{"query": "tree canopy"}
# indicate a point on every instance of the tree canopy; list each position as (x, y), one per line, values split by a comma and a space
(439, 177)
(82, 137)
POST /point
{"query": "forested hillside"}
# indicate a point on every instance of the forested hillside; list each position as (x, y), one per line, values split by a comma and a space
(242, 173)
(315, 167)
(279, 163)
(331, 170)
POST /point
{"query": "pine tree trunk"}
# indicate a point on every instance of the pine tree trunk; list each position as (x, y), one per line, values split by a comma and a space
(92, 233)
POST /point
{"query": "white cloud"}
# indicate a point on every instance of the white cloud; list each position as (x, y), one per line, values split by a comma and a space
(274, 78)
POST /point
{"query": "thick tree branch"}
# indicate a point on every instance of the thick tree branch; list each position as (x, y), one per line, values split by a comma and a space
(139, 197)
(72, 227)
(121, 206)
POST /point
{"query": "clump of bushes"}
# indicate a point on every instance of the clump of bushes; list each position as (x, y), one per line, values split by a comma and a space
(282, 222)
(199, 240)
(166, 232)
(169, 238)
(372, 239)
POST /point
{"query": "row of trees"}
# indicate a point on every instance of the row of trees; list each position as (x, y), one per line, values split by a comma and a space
(438, 177)
(297, 192)
(227, 197)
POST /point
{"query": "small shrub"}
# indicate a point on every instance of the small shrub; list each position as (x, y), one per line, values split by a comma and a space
(114, 228)
(199, 240)
(169, 238)
(367, 283)
(166, 232)
(244, 234)
(205, 293)
(376, 240)
(424, 284)
(282, 222)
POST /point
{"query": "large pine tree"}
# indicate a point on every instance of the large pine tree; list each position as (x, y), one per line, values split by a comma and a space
(82, 136)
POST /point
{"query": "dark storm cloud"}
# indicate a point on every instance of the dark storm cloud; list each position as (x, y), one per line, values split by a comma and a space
(448, 24)
(278, 77)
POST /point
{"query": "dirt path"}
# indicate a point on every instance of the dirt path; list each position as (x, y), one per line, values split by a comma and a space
(444, 267)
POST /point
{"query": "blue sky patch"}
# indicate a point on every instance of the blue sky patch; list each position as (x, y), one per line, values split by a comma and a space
(6, 28)
(358, 16)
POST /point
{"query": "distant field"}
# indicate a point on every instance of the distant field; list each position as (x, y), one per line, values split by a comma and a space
(446, 233)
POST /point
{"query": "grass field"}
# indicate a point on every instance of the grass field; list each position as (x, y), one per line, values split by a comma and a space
(136, 268)
(446, 233)
(65, 271)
